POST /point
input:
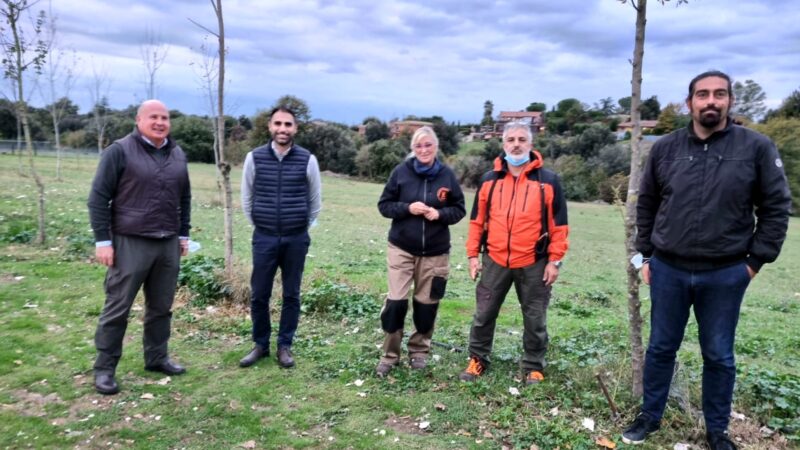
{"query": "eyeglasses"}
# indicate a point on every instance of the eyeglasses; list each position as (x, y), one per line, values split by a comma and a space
(425, 145)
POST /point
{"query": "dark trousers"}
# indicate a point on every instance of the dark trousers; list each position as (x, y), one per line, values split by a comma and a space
(138, 261)
(716, 296)
(534, 297)
(270, 253)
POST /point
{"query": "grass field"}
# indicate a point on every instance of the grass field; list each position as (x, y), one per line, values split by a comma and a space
(50, 298)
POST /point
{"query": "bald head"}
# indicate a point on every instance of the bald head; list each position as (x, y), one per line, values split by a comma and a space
(152, 121)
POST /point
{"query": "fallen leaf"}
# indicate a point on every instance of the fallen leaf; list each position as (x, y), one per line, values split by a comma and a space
(248, 444)
(534, 447)
(424, 425)
(164, 381)
(738, 416)
(440, 406)
(147, 396)
(554, 411)
(602, 441)
(680, 446)
(513, 391)
(588, 423)
(487, 435)
(362, 394)
(359, 383)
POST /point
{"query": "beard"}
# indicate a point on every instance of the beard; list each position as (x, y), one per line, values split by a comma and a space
(710, 118)
(282, 139)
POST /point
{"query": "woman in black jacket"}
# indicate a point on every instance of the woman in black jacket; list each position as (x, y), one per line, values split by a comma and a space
(423, 198)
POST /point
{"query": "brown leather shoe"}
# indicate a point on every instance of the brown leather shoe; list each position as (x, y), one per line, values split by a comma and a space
(419, 363)
(285, 359)
(105, 384)
(383, 369)
(255, 354)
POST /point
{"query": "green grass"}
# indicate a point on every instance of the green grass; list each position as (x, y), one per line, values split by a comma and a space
(50, 299)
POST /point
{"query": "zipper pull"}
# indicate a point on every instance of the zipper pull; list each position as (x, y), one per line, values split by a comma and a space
(705, 147)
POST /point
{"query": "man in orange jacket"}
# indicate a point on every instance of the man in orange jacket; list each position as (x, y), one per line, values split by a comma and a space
(519, 222)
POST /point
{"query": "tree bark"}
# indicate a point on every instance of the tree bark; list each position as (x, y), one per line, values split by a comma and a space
(634, 303)
(222, 165)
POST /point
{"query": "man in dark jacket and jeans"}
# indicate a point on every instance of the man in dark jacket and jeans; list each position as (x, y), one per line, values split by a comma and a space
(713, 208)
(139, 209)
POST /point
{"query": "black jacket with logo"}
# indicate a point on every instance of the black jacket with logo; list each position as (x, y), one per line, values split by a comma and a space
(415, 234)
(706, 204)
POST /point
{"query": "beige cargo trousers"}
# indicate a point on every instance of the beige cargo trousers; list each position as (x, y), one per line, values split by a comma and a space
(429, 277)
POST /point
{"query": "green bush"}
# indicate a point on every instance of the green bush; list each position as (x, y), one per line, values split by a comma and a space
(339, 300)
(776, 398)
(201, 274)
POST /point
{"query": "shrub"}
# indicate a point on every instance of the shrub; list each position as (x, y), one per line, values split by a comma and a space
(613, 188)
(201, 274)
(469, 169)
(339, 300)
(776, 398)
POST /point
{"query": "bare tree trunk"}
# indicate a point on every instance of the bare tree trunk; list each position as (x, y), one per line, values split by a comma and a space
(40, 233)
(58, 147)
(634, 303)
(222, 164)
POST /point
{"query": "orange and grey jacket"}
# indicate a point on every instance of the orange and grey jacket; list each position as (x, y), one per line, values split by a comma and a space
(515, 220)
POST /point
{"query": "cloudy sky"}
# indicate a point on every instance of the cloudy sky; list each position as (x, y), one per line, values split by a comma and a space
(350, 59)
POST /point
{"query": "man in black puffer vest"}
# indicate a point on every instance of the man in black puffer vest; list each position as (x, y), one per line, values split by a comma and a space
(281, 197)
(139, 208)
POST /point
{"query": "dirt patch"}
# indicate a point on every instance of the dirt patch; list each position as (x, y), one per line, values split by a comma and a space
(9, 278)
(751, 435)
(31, 404)
(404, 424)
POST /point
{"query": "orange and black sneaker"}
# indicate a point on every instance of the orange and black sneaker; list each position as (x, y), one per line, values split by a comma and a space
(474, 369)
(534, 377)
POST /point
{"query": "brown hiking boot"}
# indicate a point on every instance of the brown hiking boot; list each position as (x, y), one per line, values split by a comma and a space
(419, 363)
(474, 369)
(285, 359)
(534, 377)
(383, 369)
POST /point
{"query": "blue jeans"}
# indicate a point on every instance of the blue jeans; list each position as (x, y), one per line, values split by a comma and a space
(270, 253)
(716, 296)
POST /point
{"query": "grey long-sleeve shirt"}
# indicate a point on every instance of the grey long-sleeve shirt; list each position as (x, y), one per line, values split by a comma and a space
(312, 175)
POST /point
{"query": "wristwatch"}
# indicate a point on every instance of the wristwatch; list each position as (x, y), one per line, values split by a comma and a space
(557, 264)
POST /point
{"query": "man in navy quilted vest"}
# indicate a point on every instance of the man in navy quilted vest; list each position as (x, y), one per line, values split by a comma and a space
(281, 197)
(139, 208)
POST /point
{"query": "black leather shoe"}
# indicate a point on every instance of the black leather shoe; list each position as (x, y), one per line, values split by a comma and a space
(255, 354)
(105, 384)
(720, 441)
(285, 359)
(168, 367)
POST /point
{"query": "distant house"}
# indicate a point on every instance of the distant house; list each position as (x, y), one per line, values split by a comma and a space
(398, 127)
(534, 119)
(646, 125)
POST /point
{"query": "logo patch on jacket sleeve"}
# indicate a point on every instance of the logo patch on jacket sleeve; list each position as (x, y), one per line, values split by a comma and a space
(442, 194)
(778, 162)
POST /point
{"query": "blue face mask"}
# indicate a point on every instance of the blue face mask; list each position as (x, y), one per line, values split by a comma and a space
(517, 162)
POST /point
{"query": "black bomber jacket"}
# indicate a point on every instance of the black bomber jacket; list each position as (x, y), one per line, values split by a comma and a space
(706, 204)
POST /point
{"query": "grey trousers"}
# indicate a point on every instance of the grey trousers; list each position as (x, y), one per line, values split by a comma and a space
(534, 297)
(154, 264)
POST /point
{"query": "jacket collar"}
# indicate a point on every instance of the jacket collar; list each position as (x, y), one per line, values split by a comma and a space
(139, 138)
(714, 136)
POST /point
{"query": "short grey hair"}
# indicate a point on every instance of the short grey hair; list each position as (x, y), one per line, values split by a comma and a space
(507, 128)
(421, 133)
